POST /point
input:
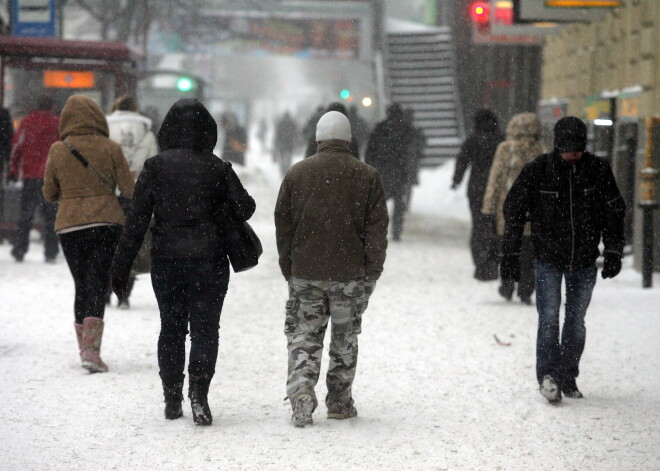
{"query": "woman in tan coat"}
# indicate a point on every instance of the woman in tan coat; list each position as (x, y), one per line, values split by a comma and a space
(521, 146)
(89, 217)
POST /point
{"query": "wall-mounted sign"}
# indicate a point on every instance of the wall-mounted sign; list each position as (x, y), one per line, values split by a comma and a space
(550, 111)
(583, 3)
(34, 18)
(628, 106)
(532, 11)
(68, 79)
(598, 108)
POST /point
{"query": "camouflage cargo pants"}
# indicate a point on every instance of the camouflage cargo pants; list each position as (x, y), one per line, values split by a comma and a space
(310, 306)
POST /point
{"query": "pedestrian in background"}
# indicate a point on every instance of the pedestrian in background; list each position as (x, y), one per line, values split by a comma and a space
(391, 151)
(286, 132)
(477, 152)
(132, 131)
(331, 224)
(235, 144)
(189, 265)
(573, 202)
(30, 145)
(521, 146)
(89, 216)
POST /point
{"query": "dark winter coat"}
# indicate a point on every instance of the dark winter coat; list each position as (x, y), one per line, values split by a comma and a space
(477, 152)
(331, 218)
(391, 151)
(6, 135)
(31, 143)
(571, 207)
(184, 187)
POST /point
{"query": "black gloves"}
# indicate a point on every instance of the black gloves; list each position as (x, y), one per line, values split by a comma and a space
(510, 267)
(612, 265)
(118, 282)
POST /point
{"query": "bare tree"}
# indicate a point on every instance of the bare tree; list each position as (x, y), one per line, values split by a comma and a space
(124, 20)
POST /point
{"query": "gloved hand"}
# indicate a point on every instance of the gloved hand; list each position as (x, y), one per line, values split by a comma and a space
(119, 283)
(11, 178)
(510, 267)
(612, 265)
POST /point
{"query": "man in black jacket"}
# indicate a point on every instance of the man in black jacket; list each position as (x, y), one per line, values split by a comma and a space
(477, 152)
(573, 201)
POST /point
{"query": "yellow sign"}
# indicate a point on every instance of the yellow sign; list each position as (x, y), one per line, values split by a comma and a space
(628, 107)
(68, 79)
(598, 108)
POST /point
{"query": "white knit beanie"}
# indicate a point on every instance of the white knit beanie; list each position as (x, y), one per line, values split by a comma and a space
(333, 125)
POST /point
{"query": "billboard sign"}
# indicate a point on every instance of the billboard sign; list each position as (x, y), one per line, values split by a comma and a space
(312, 38)
(33, 18)
(536, 11)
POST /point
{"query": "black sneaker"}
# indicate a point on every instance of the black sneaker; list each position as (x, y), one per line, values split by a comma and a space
(302, 411)
(550, 389)
(570, 389)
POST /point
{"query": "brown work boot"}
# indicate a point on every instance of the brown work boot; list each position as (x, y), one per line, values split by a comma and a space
(91, 345)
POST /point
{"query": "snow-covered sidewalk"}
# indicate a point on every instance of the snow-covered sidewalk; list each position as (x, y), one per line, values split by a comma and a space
(434, 390)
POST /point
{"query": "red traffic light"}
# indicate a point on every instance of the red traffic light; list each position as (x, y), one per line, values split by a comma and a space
(480, 14)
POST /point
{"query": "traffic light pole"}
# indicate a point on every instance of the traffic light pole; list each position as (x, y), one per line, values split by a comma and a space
(648, 204)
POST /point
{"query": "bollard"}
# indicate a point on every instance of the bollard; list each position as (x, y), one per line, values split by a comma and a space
(648, 204)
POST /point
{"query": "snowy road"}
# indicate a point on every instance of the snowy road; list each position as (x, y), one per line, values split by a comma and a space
(434, 390)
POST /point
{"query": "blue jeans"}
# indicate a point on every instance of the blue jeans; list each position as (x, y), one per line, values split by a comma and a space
(189, 291)
(561, 360)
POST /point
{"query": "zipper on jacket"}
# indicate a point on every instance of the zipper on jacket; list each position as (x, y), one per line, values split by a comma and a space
(571, 170)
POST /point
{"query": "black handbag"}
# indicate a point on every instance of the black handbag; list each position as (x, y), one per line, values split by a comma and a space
(243, 246)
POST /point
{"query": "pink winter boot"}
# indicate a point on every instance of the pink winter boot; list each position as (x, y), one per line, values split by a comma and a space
(79, 334)
(91, 345)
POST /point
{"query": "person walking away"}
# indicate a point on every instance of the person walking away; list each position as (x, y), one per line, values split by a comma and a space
(30, 145)
(331, 231)
(132, 131)
(477, 152)
(417, 145)
(189, 265)
(235, 143)
(312, 146)
(390, 151)
(285, 140)
(573, 202)
(521, 146)
(89, 217)
(359, 126)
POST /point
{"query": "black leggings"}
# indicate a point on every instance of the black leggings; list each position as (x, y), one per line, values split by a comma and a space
(88, 253)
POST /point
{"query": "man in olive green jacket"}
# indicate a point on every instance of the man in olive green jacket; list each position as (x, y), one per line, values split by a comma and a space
(331, 221)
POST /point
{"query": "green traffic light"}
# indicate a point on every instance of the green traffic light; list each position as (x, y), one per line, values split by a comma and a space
(344, 94)
(184, 84)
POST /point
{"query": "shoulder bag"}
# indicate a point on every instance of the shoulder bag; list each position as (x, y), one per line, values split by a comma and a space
(243, 245)
(142, 263)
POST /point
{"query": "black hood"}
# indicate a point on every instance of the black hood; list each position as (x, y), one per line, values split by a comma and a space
(188, 124)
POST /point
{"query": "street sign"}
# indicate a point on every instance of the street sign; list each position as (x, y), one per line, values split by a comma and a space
(68, 79)
(34, 18)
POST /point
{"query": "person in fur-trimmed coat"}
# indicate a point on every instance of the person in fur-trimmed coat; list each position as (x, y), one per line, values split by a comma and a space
(521, 146)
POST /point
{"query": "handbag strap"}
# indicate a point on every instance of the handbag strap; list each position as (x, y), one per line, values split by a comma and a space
(85, 164)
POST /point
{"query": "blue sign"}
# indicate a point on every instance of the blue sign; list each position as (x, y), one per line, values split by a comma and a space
(34, 18)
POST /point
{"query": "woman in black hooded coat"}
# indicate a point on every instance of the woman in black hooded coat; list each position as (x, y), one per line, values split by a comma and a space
(189, 191)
